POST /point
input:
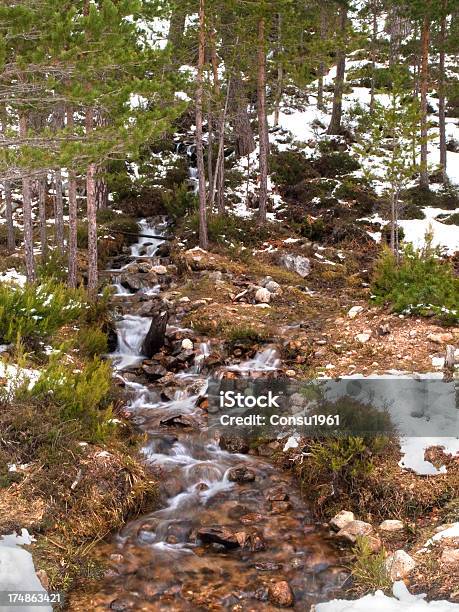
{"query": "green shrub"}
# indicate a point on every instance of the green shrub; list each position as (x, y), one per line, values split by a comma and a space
(421, 284)
(336, 164)
(32, 312)
(227, 229)
(82, 396)
(313, 229)
(92, 341)
(53, 268)
(179, 201)
(346, 459)
(369, 568)
(243, 334)
(290, 168)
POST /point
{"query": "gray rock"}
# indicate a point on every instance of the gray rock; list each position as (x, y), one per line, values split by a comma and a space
(399, 565)
(262, 296)
(340, 520)
(296, 263)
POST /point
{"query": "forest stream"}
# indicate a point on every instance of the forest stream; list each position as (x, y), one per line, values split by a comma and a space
(223, 539)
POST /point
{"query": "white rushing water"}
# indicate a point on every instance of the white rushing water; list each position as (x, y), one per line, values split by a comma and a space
(267, 360)
(131, 331)
(146, 245)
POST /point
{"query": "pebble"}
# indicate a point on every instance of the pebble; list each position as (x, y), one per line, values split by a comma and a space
(354, 311)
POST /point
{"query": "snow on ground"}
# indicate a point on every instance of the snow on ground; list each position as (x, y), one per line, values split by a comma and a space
(451, 532)
(17, 571)
(446, 236)
(14, 376)
(13, 276)
(402, 601)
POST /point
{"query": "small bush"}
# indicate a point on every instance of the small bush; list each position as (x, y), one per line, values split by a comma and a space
(230, 229)
(82, 396)
(421, 284)
(92, 341)
(33, 312)
(53, 268)
(244, 335)
(313, 229)
(369, 570)
(290, 168)
(179, 201)
(336, 164)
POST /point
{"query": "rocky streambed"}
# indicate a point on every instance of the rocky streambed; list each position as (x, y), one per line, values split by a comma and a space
(232, 531)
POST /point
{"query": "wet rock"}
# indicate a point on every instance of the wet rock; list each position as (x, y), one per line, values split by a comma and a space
(268, 566)
(280, 594)
(277, 494)
(164, 250)
(340, 520)
(161, 270)
(234, 444)
(450, 556)
(391, 525)
(220, 535)
(280, 507)
(399, 565)
(241, 473)
(178, 420)
(296, 263)
(262, 296)
(154, 372)
(251, 518)
(112, 340)
(155, 338)
(354, 529)
(354, 311)
(119, 605)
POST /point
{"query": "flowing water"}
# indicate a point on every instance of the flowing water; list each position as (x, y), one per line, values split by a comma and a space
(159, 562)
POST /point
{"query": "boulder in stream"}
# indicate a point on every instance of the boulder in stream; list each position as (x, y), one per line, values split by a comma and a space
(280, 594)
(155, 338)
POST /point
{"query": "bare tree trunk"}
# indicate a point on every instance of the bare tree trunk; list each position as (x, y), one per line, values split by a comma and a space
(203, 240)
(10, 237)
(374, 41)
(210, 144)
(425, 39)
(218, 179)
(59, 212)
(101, 191)
(92, 215)
(27, 214)
(320, 85)
(337, 111)
(42, 217)
(280, 72)
(73, 216)
(262, 123)
(441, 95)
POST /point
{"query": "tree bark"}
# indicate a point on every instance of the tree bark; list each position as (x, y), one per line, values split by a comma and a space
(42, 217)
(320, 84)
(425, 40)
(218, 179)
(441, 95)
(27, 213)
(337, 111)
(203, 240)
(73, 217)
(262, 122)
(58, 212)
(91, 214)
(280, 72)
(374, 41)
(10, 237)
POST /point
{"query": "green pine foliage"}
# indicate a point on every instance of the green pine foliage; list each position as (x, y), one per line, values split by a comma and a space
(37, 312)
(422, 284)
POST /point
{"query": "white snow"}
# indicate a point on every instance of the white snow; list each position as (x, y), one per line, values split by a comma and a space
(17, 571)
(451, 532)
(446, 236)
(403, 601)
(13, 276)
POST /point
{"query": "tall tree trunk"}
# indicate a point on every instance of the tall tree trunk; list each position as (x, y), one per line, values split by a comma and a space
(425, 40)
(210, 145)
(280, 72)
(337, 111)
(262, 122)
(42, 217)
(203, 241)
(10, 237)
(322, 67)
(73, 216)
(441, 94)
(218, 179)
(91, 214)
(27, 213)
(101, 191)
(58, 212)
(374, 42)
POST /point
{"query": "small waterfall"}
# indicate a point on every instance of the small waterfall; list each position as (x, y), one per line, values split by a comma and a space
(131, 332)
(146, 247)
(119, 288)
(264, 361)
